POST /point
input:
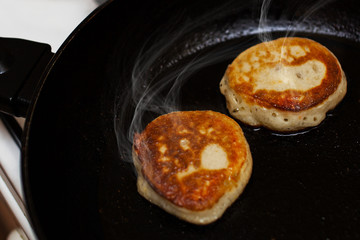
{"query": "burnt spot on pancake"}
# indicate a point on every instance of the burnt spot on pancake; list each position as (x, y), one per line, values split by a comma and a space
(192, 158)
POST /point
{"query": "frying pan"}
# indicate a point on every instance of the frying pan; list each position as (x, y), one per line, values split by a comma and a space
(78, 179)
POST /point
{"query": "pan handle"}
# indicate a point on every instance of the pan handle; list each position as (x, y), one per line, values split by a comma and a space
(22, 64)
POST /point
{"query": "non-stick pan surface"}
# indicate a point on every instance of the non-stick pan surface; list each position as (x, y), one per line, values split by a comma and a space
(79, 180)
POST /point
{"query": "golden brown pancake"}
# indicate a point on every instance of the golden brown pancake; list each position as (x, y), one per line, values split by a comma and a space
(193, 164)
(285, 85)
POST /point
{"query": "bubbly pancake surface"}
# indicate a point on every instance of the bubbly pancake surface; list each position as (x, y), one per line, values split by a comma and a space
(193, 158)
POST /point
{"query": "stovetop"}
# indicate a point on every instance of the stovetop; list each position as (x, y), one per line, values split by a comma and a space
(45, 21)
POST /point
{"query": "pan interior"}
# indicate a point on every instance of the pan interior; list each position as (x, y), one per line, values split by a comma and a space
(302, 183)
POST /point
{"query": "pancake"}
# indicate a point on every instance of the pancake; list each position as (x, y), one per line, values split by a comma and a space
(285, 85)
(192, 164)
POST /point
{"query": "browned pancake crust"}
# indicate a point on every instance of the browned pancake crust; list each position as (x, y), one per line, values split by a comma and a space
(288, 100)
(190, 192)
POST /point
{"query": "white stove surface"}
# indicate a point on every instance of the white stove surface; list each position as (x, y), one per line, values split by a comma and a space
(46, 21)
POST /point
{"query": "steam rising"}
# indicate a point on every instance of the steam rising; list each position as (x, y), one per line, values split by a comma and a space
(294, 25)
(264, 34)
(159, 71)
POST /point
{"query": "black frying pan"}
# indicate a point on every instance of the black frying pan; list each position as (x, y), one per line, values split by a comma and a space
(78, 177)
